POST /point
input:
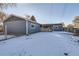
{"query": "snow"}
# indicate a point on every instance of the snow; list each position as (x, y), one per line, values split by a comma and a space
(2, 37)
(41, 44)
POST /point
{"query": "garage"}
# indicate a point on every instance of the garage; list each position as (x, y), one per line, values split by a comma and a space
(15, 26)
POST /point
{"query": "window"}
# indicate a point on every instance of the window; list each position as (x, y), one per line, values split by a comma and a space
(56, 27)
(32, 25)
(45, 26)
(40, 25)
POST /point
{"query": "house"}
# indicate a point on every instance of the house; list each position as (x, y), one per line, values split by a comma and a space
(69, 28)
(58, 27)
(76, 23)
(45, 27)
(65, 29)
(51, 27)
(15, 25)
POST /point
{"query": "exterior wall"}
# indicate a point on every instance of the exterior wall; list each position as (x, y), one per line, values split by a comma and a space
(75, 29)
(16, 27)
(70, 29)
(33, 27)
(57, 27)
(76, 25)
(51, 27)
(65, 29)
(46, 29)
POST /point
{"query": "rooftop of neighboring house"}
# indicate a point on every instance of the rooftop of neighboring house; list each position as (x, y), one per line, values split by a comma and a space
(52, 24)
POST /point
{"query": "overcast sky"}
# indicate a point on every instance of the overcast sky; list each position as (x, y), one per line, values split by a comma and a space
(47, 13)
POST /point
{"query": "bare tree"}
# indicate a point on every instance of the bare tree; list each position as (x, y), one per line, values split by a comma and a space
(33, 18)
(27, 17)
(6, 5)
(2, 16)
(30, 18)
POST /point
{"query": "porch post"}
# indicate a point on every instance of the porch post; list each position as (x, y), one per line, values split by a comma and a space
(5, 31)
(27, 33)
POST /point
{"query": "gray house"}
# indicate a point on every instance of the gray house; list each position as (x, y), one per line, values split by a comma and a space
(15, 25)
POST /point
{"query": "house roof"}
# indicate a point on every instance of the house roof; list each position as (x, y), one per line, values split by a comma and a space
(31, 18)
(19, 18)
(51, 24)
(13, 16)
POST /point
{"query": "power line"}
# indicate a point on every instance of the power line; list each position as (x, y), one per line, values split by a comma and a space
(64, 11)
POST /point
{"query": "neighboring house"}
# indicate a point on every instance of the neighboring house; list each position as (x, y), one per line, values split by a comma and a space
(46, 27)
(70, 28)
(16, 25)
(76, 23)
(52, 27)
(65, 29)
(58, 27)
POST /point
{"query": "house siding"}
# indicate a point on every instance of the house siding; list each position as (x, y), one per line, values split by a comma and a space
(33, 27)
(19, 26)
(57, 27)
(51, 27)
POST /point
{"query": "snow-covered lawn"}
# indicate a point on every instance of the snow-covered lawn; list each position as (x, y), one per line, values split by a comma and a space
(41, 44)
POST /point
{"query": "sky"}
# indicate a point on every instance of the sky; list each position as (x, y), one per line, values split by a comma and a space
(47, 12)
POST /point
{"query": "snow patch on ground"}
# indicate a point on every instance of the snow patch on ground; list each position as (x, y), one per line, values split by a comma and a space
(2, 37)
